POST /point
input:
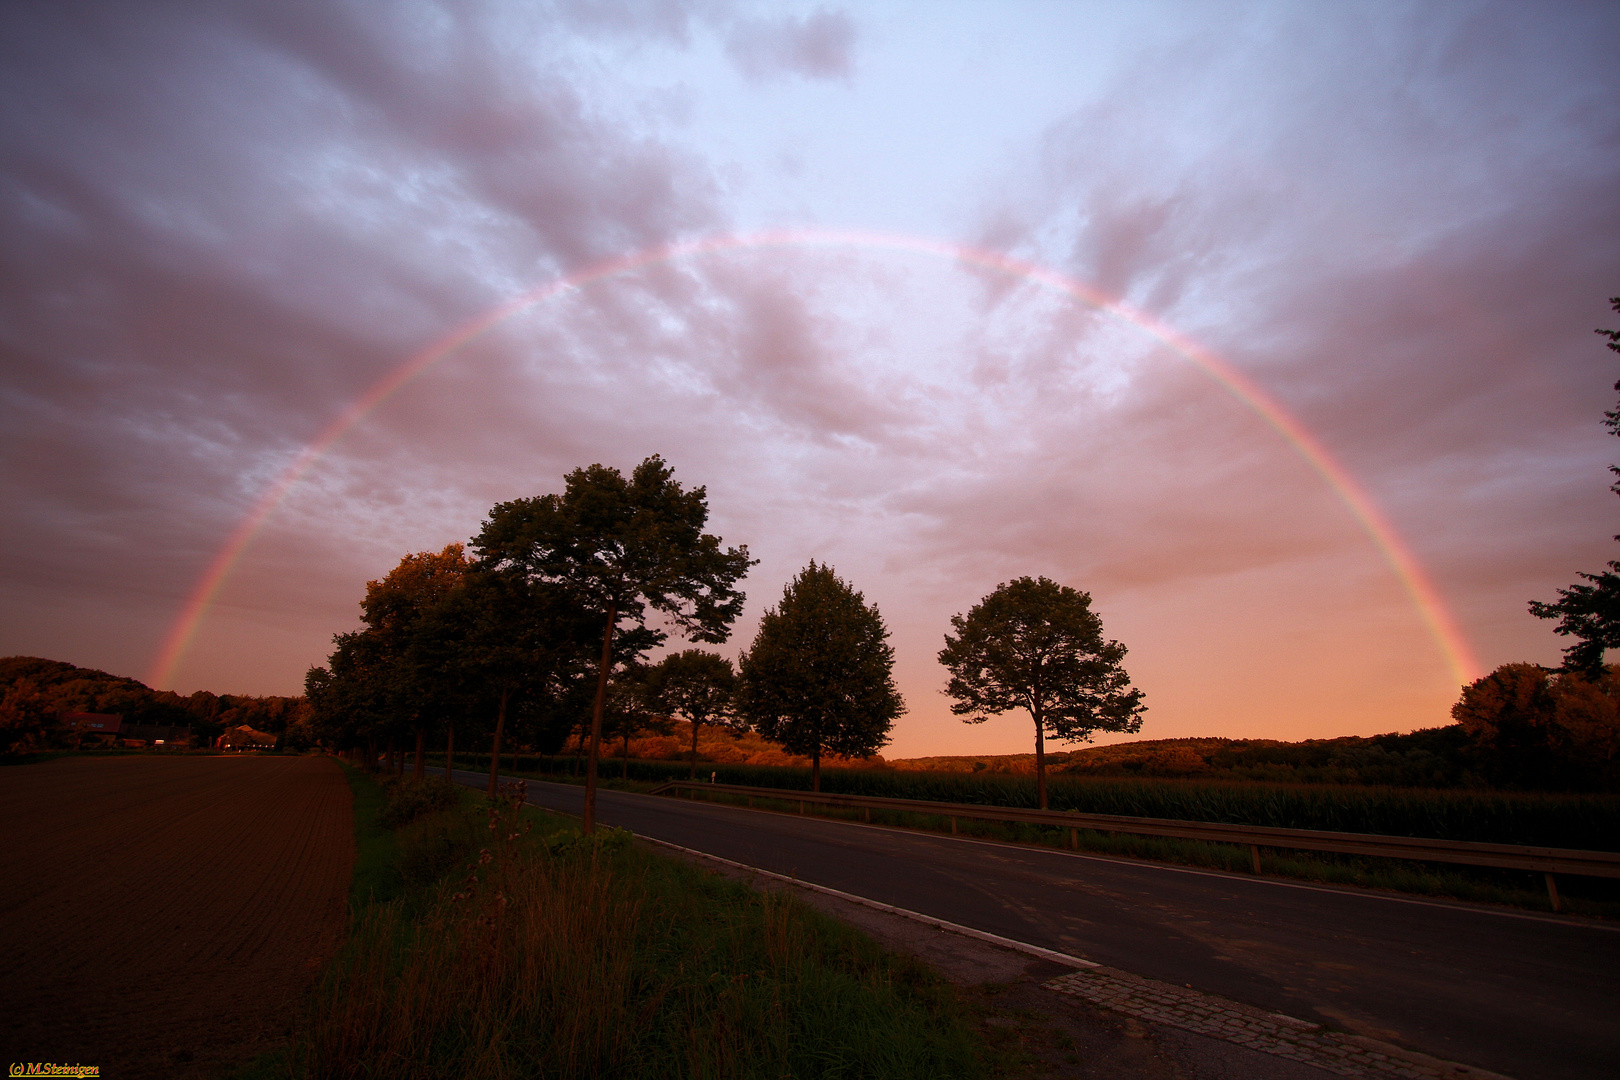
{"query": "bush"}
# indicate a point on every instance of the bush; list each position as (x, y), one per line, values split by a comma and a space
(410, 799)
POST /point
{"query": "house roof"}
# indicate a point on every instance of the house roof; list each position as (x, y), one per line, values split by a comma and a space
(104, 723)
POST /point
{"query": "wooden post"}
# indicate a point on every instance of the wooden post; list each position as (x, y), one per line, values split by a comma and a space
(866, 813)
(1552, 892)
(1074, 839)
(953, 826)
(801, 806)
(1254, 850)
(750, 802)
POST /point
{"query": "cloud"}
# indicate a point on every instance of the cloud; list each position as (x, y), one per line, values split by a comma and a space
(815, 46)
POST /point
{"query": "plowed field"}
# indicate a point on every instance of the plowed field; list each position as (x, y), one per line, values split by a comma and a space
(163, 916)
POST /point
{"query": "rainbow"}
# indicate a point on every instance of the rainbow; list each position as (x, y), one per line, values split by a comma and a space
(1425, 596)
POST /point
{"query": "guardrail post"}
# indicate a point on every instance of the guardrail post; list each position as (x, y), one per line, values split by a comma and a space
(953, 826)
(801, 806)
(750, 802)
(1254, 850)
(866, 814)
(1552, 891)
(1074, 839)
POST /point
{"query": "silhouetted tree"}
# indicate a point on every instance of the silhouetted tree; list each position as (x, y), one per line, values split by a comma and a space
(819, 676)
(1037, 645)
(1531, 727)
(619, 547)
(698, 686)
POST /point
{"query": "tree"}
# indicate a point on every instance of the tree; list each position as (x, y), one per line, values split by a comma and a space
(1531, 727)
(1591, 613)
(1037, 645)
(696, 685)
(394, 609)
(819, 676)
(621, 546)
(25, 717)
(629, 708)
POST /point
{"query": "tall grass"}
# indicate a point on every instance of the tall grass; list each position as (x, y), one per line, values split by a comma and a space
(556, 956)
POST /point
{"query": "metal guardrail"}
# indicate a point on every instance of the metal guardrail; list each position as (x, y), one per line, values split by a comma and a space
(1546, 860)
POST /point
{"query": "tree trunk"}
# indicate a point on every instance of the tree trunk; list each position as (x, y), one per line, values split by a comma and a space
(588, 818)
(694, 749)
(1040, 763)
(495, 751)
(449, 749)
(815, 770)
(421, 752)
(371, 755)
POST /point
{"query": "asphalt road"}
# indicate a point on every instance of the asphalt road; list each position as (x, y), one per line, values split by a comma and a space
(1533, 997)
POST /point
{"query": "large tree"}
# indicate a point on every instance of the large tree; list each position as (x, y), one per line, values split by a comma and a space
(621, 546)
(818, 678)
(696, 685)
(1037, 645)
(1591, 613)
(394, 609)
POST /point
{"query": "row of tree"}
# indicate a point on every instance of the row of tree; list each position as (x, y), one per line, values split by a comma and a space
(543, 626)
(546, 621)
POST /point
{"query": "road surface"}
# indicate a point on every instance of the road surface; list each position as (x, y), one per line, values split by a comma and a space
(1533, 997)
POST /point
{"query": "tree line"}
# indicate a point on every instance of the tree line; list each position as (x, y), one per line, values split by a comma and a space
(35, 692)
(543, 625)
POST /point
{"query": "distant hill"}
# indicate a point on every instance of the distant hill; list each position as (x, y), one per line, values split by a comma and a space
(1434, 757)
(59, 687)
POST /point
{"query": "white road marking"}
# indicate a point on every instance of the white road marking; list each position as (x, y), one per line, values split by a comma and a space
(915, 916)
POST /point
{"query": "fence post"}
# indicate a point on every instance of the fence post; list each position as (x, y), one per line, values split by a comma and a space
(1074, 839)
(1552, 891)
(866, 813)
(1254, 850)
(801, 806)
(953, 826)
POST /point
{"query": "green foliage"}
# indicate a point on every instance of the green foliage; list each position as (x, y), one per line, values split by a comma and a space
(622, 546)
(819, 676)
(698, 686)
(409, 799)
(1036, 645)
(547, 953)
(1530, 727)
(376, 852)
(25, 717)
(61, 687)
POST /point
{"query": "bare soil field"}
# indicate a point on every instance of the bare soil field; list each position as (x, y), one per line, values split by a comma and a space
(165, 916)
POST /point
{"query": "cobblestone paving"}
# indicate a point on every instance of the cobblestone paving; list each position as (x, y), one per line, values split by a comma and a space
(1269, 1033)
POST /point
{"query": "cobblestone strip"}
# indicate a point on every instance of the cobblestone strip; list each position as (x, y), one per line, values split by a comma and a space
(1269, 1033)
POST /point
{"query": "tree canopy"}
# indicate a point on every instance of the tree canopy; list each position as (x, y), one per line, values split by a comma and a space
(621, 546)
(696, 685)
(1591, 613)
(1530, 727)
(1037, 645)
(818, 677)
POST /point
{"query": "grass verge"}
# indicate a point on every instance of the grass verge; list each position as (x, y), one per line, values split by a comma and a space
(493, 940)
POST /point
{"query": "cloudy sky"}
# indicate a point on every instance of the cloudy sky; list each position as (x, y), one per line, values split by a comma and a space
(223, 225)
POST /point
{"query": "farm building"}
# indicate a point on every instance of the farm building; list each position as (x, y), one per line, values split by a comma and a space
(245, 738)
(99, 728)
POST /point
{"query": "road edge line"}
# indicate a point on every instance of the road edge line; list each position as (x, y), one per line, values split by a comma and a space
(878, 905)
